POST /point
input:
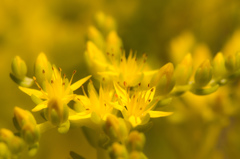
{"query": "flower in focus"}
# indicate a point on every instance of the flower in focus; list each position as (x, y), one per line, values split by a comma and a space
(138, 108)
(57, 88)
(94, 104)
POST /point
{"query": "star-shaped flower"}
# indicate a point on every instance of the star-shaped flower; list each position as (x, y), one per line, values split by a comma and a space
(138, 107)
(57, 88)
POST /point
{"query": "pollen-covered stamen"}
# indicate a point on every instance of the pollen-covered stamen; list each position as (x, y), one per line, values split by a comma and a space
(82, 104)
(125, 83)
(35, 80)
(64, 77)
(74, 72)
(148, 98)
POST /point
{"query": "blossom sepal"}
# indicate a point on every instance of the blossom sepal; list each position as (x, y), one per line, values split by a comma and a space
(25, 82)
(205, 90)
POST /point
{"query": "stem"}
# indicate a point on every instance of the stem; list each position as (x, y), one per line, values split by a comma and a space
(43, 127)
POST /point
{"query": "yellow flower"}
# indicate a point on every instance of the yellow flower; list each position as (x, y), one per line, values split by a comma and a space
(138, 108)
(57, 88)
(114, 65)
(97, 106)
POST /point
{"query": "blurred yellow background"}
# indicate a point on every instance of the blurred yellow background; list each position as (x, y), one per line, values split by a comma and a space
(165, 30)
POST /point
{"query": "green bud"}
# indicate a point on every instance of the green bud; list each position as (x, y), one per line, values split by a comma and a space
(206, 90)
(19, 68)
(164, 79)
(32, 150)
(184, 70)
(233, 62)
(57, 111)
(15, 144)
(43, 68)
(96, 37)
(115, 128)
(203, 74)
(118, 151)
(135, 141)
(218, 63)
(4, 151)
(30, 133)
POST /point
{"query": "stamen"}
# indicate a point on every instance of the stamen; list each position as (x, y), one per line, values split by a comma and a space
(148, 85)
(52, 81)
(72, 77)
(125, 83)
(84, 91)
(43, 71)
(126, 107)
(35, 80)
(139, 84)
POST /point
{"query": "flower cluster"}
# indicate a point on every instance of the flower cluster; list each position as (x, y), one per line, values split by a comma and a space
(129, 94)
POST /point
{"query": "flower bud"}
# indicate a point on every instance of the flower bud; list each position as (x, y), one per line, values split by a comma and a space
(164, 79)
(203, 74)
(115, 128)
(19, 68)
(4, 151)
(96, 37)
(57, 111)
(43, 69)
(118, 151)
(184, 70)
(135, 141)
(233, 62)
(30, 133)
(218, 63)
(23, 116)
(5, 135)
(14, 143)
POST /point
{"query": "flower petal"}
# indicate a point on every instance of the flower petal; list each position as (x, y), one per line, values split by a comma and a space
(156, 114)
(78, 116)
(30, 92)
(121, 93)
(79, 83)
(40, 107)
